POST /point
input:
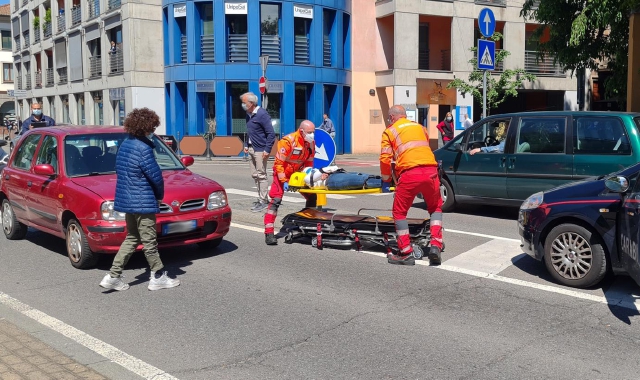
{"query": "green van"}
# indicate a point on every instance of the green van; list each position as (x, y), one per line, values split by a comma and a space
(539, 151)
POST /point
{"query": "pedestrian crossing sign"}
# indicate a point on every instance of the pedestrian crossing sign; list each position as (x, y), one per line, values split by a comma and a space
(486, 55)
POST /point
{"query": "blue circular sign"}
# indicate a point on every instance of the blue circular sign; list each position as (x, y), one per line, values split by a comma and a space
(325, 149)
(487, 22)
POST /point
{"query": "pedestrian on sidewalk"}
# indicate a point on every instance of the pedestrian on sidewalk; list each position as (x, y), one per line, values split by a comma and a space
(261, 137)
(417, 172)
(327, 126)
(446, 128)
(139, 192)
(295, 152)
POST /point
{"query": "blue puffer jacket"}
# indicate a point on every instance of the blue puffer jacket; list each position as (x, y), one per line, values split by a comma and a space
(140, 182)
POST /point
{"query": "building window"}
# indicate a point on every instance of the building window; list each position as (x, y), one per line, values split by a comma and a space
(328, 36)
(302, 99)
(7, 72)
(301, 27)
(118, 112)
(80, 109)
(6, 39)
(65, 110)
(237, 37)
(238, 120)
(206, 35)
(98, 118)
(52, 106)
(269, 31)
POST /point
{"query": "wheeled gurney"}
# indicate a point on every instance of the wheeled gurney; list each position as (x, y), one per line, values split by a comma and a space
(351, 230)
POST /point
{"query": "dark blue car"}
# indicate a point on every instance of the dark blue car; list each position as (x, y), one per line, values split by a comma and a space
(583, 229)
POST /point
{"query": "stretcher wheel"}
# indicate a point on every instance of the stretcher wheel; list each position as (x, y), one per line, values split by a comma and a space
(288, 239)
(418, 253)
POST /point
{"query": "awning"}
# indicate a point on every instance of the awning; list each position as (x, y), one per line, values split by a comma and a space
(75, 56)
(61, 54)
(112, 22)
(92, 32)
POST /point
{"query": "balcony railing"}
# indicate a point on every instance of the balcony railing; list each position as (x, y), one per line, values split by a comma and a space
(270, 45)
(36, 35)
(183, 49)
(47, 30)
(492, 2)
(541, 65)
(94, 8)
(76, 15)
(95, 67)
(446, 59)
(16, 43)
(19, 81)
(326, 51)
(301, 50)
(114, 4)
(62, 75)
(49, 77)
(207, 48)
(25, 2)
(27, 40)
(27, 80)
(238, 48)
(39, 79)
(61, 23)
(116, 63)
(423, 59)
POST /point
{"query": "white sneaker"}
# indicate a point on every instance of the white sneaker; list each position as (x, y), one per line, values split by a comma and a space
(163, 282)
(113, 283)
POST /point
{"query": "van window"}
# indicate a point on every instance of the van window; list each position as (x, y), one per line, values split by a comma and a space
(490, 133)
(541, 135)
(600, 135)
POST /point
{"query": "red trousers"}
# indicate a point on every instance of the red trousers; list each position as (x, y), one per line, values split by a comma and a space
(421, 179)
(275, 193)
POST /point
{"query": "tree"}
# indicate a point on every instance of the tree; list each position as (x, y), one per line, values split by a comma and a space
(498, 89)
(586, 34)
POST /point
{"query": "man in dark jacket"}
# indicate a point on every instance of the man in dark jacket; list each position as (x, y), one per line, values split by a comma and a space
(258, 145)
(139, 192)
(36, 116)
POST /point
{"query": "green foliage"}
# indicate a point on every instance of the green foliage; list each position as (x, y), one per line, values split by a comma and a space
(36, 22)
(584, 34)
(47, 16)
(499, 88)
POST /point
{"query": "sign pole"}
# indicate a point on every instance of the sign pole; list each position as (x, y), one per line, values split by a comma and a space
(484, 94)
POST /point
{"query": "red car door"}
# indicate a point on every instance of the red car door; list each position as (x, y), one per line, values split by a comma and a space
(43, 195)
(17, 174)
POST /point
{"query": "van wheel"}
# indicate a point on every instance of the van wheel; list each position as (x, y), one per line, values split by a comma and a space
(78, 250)
(574, 256)
(13, 229)
(448, 197)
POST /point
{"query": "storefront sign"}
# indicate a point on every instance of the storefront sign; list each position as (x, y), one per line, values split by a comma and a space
(235, 8)
(205, 86)
(17, 93)
(180, 10)
(305, 11)
(116, 93)
(275, 87)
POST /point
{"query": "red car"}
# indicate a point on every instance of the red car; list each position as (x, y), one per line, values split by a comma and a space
(62, 180)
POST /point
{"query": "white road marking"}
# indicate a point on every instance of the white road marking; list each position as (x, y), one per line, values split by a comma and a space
(253, 193)
(106, 350)
(491, 257)
(615, 298)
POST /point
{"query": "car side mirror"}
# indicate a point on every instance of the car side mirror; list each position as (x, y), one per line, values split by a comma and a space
(186, 160)
(44, 169)
(617, 184)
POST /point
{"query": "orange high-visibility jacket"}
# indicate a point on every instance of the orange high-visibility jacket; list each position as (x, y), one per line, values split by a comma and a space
(294, 154)
(406, 143)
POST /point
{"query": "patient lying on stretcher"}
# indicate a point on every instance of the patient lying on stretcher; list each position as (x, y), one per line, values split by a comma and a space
(338, 179)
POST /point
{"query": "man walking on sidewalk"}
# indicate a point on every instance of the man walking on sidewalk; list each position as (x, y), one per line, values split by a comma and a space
(261, 138)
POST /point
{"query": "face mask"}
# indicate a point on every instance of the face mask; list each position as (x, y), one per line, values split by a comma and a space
(37, 112)
(244, 107)
(309, 137)
(449, 119)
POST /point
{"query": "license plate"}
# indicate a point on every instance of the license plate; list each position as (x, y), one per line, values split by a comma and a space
(179, 227)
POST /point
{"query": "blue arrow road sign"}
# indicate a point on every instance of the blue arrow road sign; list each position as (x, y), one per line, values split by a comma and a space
(487, 22)
(325, 149)
(486, 55)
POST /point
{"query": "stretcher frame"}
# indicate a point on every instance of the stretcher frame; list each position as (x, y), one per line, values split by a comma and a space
(337, 231)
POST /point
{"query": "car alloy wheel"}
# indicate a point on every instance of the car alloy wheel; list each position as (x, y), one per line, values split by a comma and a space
(78, 249)
(74, 242)
(7, 218)
(571, 255)
(12, 228)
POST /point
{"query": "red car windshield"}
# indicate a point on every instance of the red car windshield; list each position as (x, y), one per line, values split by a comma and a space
(95, 154)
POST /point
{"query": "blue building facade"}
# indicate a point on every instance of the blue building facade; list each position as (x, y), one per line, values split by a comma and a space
(212, 53)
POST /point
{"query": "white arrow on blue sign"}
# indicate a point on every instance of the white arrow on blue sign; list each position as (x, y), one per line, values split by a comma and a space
(325, 149)
(487, 22)
(486, 55)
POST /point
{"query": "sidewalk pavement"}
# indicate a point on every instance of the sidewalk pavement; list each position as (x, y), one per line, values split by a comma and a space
(22, 356)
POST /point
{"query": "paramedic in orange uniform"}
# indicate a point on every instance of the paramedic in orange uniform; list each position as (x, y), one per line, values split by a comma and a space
(295, 152)
(405, 142)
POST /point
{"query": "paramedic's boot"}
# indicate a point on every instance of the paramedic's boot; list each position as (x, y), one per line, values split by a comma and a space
(401, 260)
(434, 256)
(270, 239)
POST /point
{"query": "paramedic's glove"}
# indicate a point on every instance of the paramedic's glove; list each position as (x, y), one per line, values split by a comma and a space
(386, 187)
(286, 186)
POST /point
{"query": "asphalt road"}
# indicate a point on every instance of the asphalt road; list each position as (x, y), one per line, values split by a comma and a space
(248, 311)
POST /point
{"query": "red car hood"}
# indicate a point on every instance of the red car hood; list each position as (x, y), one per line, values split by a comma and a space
(179, 185)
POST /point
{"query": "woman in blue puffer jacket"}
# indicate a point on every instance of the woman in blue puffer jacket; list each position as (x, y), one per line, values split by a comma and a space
(139, 191)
